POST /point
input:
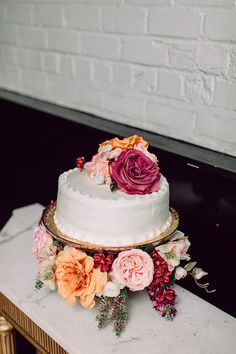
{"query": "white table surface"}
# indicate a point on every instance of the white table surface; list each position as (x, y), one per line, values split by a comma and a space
(199, 327)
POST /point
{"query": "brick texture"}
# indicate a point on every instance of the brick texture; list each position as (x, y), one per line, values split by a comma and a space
(168, 66)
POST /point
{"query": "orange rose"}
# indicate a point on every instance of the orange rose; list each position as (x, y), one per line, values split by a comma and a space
(126, 143)
(76, 277)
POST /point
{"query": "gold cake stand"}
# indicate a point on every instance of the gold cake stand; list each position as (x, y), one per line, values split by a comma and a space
(48, 221)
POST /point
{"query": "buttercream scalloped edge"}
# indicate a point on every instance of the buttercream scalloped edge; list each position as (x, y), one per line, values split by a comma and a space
(108, 242)
(73, 193)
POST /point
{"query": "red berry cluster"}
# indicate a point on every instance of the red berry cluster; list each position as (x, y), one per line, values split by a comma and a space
(80, 161)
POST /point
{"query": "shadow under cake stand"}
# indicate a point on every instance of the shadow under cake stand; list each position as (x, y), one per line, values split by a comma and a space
(48, 221)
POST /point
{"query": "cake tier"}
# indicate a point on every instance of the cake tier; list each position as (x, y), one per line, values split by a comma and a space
(92, 213)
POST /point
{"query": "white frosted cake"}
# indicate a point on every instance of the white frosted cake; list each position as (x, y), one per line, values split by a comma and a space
(114, 200)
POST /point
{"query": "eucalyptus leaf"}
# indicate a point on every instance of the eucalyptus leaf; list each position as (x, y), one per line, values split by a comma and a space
(189, 266)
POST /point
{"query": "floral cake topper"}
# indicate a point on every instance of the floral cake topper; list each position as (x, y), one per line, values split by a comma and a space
(125, 164)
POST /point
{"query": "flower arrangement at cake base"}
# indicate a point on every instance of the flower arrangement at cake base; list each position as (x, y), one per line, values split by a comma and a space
(107, 278)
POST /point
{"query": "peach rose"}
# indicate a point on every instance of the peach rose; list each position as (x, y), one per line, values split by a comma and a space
(133, 269)
(76, 277)
(126, 143)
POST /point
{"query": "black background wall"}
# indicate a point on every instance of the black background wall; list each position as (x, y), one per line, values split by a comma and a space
(36, 147)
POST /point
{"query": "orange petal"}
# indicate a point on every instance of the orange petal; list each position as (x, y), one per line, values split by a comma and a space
(87, 301)
(126, 143)
(101, 280)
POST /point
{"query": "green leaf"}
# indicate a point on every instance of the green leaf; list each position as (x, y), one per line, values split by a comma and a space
(189, 266)
(124, 292)
(148, 248)
(56, 243)
(38, 284)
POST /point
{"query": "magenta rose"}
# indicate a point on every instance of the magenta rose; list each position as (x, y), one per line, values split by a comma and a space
(135, 173)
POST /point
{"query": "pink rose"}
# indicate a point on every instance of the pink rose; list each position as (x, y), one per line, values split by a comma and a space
(135, 173)
(133, 269)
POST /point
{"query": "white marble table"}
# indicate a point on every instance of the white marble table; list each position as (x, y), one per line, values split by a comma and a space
(198, 328)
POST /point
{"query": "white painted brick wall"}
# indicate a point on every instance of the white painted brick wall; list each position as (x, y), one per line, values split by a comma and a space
(63, 41)
(175, 22)
(48, 15)
(169, 84)
(100, 46)
(20, 14)
(144, 79)
(146, 51)
(124, 20)
(121, 76)
(29, 37)
(83, 70)
(168, 66)
(83, 17)
(220, 25)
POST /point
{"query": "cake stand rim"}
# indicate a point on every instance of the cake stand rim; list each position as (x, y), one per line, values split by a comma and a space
(49, 224)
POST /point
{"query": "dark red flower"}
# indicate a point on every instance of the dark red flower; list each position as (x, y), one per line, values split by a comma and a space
(103, 262)
(166, 294)
(80, 161)
(163, 300)
(161, 271)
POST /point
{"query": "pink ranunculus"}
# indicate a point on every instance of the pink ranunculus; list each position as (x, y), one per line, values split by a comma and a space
(135, 173)
(133, 269)
(98, 168)
(43, 244)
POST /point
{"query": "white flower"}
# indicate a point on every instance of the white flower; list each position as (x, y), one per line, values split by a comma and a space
(180, 272)
(198, 273)
(174, 251)
(105, 148)
(115, 153)
(99, 178)
(111, 289)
